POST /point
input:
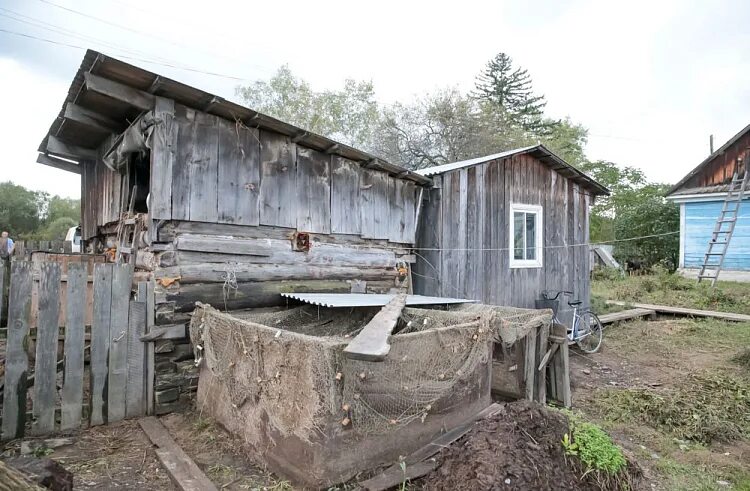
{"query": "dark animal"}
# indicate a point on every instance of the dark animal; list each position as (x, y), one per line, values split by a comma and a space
(635, 267)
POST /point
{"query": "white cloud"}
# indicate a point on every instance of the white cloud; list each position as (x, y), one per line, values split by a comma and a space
(30, 103)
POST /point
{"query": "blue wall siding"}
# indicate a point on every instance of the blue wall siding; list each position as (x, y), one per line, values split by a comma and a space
(700, 219)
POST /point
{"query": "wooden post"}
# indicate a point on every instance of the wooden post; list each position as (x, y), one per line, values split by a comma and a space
(561, 363)
(47, 335)
(100, 328)
(16, 358)
(146, 294)
(530, 364)
(75, 329)
(541, 375)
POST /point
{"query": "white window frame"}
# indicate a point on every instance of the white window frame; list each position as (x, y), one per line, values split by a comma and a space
(539, 239)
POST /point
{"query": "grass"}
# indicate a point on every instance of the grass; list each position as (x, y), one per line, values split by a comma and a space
(663, 288)
(705, 408)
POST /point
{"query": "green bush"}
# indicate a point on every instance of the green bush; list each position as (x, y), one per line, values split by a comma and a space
(607, 274)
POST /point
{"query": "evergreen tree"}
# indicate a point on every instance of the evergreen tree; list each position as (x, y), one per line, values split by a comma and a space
(511, 90)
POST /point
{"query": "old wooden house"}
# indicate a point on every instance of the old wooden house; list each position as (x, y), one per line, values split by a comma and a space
(701, 195)
(222, 204)
(503, 228)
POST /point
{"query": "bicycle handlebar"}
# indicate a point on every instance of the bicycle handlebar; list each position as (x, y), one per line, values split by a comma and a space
(546, 294)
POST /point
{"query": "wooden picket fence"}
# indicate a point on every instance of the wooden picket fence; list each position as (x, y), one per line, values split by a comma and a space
(24, 248)
(106, 375)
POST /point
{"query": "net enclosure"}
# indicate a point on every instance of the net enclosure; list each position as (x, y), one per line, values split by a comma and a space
(281, 382)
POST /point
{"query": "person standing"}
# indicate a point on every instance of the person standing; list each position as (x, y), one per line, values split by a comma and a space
(6, 246)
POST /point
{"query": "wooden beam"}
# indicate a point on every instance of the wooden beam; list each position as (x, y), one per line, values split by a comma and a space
(626, 315)
(665, 309)
(371, 344)
(155, 85)
(123, 93)
(67, 150)
(92, 119)
(58, 164)
(332, 149)
(299, 136)
(183, 472)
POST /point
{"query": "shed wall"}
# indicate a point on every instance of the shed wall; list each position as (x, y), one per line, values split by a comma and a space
(463, 241)
(699, 221)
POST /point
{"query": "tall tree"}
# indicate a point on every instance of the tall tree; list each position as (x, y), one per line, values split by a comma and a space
(20, 208)
(510, 88)
(349, 115)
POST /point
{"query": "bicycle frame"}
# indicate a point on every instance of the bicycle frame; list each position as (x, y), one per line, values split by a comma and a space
(573, 332)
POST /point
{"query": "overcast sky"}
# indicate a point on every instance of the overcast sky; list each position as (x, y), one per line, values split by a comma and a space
(650, 79)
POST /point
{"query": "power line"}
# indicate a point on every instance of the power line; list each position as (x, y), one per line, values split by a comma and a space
(149, 34)
(127, 57)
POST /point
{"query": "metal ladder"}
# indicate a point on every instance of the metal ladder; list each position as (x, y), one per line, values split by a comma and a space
(722, 234)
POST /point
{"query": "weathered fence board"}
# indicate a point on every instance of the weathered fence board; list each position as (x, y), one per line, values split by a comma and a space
(16, 358)
(45, 368)
(135, 387)
(118, 342)
(100, 329)
(75, 329)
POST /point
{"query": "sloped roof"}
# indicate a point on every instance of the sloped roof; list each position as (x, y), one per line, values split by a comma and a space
(118, 114)
(744, 131)
(539, 152)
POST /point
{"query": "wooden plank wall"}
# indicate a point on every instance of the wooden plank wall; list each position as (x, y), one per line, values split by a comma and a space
(467, 217)
(117, 361)
(219, 171)
(101, 195)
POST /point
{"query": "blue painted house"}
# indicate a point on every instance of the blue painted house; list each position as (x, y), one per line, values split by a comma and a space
(701, 195)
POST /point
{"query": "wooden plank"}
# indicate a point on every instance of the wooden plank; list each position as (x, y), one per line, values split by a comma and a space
(163, 153)
(371, 344)
(373, 193)
(174, 331)
(183, 472)
(665, 309)
(626, 315)
(92, 119)
(123, 93)
(239, 174)
(118, 342)
(58, 147)
(45, 370)
(75, 330)
(396, 210)
(58, 164)
(16, 357)
(278, 183)
(135, 385)
(394, 475)
(203, 169)
(4, 265)
(313, 201)
(146, 293)
(100, 332)
(345, 202)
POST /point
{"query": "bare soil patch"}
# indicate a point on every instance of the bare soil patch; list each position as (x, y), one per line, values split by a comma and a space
(518, 449)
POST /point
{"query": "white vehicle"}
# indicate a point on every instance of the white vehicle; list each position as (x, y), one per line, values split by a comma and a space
(74, 237)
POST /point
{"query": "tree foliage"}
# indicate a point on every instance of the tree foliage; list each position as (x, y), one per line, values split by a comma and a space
(509, 88)
(349, 115)
(636, 208)
(27, 214)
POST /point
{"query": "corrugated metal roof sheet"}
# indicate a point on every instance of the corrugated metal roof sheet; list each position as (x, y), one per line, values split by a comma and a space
(540, 152)
(439, 169)
(367, 299)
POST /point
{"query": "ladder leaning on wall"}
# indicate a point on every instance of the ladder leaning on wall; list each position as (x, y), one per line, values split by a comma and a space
(725, 224)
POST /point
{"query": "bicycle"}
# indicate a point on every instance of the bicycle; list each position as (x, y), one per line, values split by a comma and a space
(587, 331)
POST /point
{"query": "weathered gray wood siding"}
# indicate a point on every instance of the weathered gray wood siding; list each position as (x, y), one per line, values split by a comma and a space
(463, 237)
(101, 195)
(228, 200)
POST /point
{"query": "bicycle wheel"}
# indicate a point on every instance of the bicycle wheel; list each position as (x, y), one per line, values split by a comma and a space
(589, 333)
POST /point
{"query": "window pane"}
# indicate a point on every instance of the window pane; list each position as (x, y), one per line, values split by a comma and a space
(518, 235)
(531, 236)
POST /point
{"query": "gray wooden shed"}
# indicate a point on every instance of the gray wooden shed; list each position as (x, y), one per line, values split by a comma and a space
(502, 228)
(222, 204)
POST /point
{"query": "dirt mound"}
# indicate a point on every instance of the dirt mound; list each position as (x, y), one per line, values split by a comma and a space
(520, 448)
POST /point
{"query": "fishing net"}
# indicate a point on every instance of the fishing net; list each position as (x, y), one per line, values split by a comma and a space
(284, 373)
